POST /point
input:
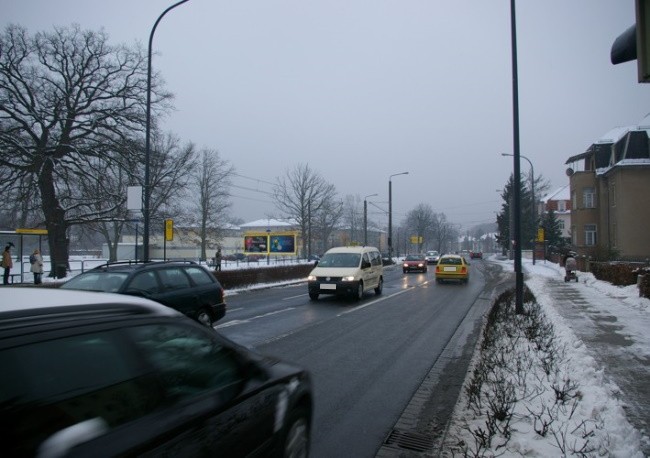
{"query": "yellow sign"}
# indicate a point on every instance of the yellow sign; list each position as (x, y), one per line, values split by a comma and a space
(169, 230)
(540, 234)
(416, 239)
(32, 231)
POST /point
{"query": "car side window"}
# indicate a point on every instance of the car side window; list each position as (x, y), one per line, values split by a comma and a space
(199, 275)
(143, 282)
(54, 384)
(375, 258)
(189, 362)
(173, 278)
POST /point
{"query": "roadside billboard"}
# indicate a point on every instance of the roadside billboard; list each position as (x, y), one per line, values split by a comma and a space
(270, 243)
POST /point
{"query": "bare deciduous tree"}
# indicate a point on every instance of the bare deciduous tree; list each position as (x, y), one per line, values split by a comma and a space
(212, 184)
(66, 98)
(301, 194)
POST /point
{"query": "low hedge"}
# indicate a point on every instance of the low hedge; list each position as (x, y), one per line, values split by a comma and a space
(239, 278)
(618, 274)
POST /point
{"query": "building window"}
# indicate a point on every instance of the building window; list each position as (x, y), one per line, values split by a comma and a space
(589, 198)
(560, 224)
(590, 234)
(561, 206)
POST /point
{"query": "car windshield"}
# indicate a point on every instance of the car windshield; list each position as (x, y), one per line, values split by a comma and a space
(452, 261)
(432, 253)
(108, 282)
(340, 260)
(413, 257)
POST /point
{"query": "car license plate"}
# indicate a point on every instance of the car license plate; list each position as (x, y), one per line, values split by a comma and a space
(449, 269)
(327, 286)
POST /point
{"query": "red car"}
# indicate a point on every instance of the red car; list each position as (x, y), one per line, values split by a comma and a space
(476, 255)
(415, 262)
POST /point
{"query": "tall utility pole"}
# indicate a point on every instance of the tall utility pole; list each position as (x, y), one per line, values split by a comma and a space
(147, 153)
(519, 275)
(390, 214)
(365, 219)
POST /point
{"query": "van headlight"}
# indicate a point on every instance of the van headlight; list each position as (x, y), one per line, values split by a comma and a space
(311, 278)
(350, 278)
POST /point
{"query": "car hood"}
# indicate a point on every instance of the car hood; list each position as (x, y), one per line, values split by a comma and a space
(334, 271)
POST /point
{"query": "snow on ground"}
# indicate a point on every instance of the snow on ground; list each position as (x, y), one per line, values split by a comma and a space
(600, 407)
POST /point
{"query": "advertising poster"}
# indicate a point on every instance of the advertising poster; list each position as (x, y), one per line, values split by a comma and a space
(255, 243)
(283, 243)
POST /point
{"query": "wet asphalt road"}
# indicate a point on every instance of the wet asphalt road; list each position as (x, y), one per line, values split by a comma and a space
(366, 358)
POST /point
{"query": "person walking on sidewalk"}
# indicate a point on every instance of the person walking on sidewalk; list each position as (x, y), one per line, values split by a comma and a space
(7, 263)
(217, 260)
(36, 260)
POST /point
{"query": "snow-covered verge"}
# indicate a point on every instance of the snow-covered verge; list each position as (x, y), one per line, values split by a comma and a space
(534, 390)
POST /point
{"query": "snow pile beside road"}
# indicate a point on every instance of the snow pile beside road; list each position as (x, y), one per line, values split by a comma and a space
(534, 390)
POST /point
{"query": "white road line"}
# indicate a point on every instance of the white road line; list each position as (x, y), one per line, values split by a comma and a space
(382, 298)
(248, 320)
(293, 297)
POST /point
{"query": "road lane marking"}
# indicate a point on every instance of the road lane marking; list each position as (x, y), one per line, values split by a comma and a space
(228, 324)
(383, 298)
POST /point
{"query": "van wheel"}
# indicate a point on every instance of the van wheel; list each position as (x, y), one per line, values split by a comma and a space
(380, 286)
(313, 296)
(204, 318)
(359, 294)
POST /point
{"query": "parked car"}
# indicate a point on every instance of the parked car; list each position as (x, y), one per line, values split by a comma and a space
(349, 271)
(414, 262)
(476, 255)
(432, 257)
(235, 257)
(96, 374)
(452, 267)
(182, 285)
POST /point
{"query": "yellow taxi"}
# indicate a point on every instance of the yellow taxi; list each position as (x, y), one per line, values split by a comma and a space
(452, 267)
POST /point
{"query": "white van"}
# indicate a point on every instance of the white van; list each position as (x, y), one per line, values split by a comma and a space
(349, 271)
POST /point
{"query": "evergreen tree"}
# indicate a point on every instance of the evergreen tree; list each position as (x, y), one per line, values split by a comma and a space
(552, 230)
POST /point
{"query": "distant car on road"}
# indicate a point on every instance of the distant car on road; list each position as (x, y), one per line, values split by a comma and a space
(181, 285)
(476, 255)
(452, 267)
(432, 257)
(96, 374)
(414, 262)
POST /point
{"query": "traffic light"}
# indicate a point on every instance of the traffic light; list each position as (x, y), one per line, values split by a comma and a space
(633, 43)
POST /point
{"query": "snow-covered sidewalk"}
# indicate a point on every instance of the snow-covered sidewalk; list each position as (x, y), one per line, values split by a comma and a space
(603, 331)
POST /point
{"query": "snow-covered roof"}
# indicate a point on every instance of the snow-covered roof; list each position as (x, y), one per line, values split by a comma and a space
(563, 193)
(614, 135)
(269, 222)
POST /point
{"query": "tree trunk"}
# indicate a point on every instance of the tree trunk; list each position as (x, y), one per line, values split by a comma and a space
(54, 222)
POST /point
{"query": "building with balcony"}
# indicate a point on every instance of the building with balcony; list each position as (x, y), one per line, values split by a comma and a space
(609, 189)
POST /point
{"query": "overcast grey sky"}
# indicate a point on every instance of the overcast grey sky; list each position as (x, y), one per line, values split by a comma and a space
(363, 89)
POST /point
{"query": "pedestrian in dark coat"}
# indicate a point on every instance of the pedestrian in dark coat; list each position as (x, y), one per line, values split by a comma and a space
(217, 260)
(7, 263)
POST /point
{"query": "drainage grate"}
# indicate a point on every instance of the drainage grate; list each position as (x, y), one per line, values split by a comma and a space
(410, 440)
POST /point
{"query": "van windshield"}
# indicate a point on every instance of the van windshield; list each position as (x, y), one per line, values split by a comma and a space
(340, 260)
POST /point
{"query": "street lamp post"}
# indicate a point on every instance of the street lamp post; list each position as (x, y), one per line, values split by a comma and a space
(533, 209)
(390, 214)
(147, 174)
(365, 219)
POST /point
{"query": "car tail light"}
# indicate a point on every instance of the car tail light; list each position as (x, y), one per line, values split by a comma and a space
(463, 270)
(437, 268)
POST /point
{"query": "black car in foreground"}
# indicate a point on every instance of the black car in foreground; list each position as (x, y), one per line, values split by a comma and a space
(182, 285)
(96, 374)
